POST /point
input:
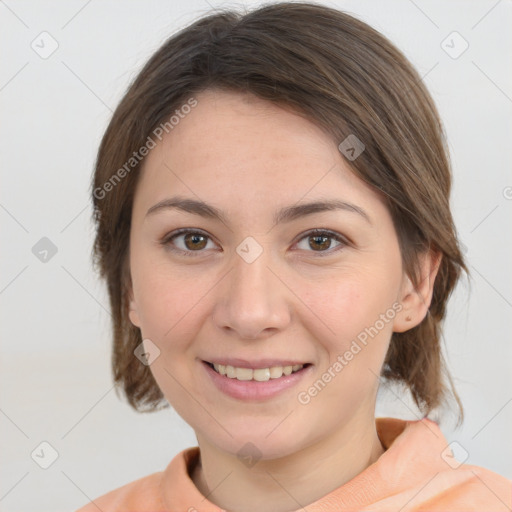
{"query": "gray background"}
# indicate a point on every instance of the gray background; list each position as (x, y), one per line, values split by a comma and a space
(55, 347)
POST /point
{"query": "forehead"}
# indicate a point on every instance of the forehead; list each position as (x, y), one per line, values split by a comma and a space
(234, 145)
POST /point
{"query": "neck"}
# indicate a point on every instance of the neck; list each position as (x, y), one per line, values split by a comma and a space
(288, 483)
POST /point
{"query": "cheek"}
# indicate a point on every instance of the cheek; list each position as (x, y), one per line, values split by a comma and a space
(348, 303)
(172, 303)
(350, 322)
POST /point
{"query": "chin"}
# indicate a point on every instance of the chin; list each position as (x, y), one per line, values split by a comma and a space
(261, 443)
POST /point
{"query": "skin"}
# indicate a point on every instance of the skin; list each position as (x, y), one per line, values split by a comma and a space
(249, 158)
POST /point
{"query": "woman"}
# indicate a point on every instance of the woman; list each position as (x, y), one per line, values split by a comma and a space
(273, 223)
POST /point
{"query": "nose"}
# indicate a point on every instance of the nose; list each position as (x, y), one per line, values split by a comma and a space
(253, 300)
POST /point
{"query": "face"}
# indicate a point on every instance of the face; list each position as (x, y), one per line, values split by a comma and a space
(255, 291)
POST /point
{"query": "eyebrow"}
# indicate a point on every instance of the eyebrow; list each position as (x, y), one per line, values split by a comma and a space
(285, 214)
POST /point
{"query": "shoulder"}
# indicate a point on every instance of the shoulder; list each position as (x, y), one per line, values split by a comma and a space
(476, 488)
(154, 492)
(141, 495)
(419, 467)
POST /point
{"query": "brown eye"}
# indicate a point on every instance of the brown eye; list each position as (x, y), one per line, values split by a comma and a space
(194, 241)
(186, 242)
(321, 241)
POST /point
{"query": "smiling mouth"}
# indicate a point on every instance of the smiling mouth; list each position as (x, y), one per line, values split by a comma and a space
(256, 374)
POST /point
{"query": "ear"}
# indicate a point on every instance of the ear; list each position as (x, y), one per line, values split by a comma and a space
(132, 312)
(415, 302)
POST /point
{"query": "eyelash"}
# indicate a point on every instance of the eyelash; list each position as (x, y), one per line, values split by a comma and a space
(166, 241)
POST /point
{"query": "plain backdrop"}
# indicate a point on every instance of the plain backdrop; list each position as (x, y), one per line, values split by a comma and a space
(55, 377)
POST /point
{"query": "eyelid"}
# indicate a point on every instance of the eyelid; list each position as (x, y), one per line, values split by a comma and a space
(339, 237)
(166, 240)
(343, 240)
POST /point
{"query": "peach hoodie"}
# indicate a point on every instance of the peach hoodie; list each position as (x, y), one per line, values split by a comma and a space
(415, 473)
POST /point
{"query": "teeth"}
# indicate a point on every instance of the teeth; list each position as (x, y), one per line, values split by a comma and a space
(261, 375)
(258, 374)
(244, 373)
(276, 372)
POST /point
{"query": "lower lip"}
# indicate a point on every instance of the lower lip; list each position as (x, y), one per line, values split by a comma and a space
(252, 389)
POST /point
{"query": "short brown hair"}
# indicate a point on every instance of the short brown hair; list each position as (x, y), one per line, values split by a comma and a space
(347, 78)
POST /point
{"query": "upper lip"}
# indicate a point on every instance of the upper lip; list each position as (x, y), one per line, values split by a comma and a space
(258, 363)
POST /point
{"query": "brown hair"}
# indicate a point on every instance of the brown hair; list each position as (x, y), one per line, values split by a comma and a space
(347, 78)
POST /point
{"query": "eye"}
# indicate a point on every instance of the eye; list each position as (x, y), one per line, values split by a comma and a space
(194, 241)
(320, 241)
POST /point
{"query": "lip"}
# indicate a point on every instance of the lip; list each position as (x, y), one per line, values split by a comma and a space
(251, 390)
(255, 364)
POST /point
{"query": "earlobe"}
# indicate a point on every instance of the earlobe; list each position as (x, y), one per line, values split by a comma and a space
(132, 311)
(134, 317)
(416, 301)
